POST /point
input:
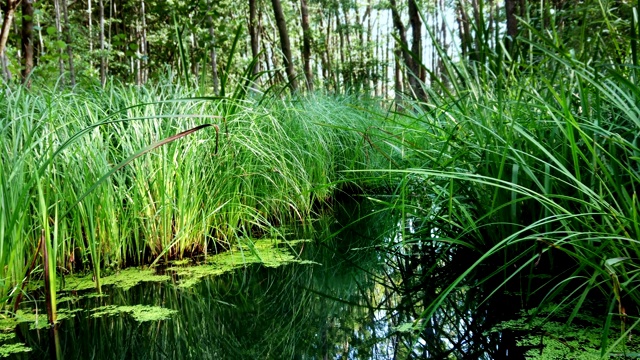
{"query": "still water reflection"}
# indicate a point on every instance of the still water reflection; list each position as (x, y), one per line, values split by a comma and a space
(364, 300)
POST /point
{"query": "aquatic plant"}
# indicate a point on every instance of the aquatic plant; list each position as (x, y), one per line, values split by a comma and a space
(536, 171)
(85, 169)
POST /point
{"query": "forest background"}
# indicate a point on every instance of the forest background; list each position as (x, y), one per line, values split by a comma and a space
(338, 46)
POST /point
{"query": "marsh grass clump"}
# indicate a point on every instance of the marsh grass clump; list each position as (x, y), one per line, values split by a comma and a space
(261, 164)
(538, 178)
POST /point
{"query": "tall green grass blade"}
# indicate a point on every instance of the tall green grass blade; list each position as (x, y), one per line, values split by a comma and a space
(183, 57)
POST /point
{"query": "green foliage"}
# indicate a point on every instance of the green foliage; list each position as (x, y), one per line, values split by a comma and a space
(555, 339)
(534, 167)
(140, 313)
(261, 165)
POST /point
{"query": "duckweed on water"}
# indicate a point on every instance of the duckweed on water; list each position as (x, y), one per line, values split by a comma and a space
(13, 348)
(37, 319)
(140, 313)
(268, 252)
(191, 275)
(265, 252)
(10, 349)
(555, 340)
(73, 299)
(124, 279)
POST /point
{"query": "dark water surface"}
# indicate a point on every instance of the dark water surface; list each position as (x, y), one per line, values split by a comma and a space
(364, 300)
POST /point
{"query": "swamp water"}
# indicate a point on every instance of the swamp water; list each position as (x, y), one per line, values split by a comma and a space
(338, 295)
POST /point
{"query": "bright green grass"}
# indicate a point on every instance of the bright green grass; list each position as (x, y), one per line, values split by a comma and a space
(527, 171)
(270, 163)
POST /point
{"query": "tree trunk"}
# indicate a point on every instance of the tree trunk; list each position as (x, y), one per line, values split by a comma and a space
(397, 76)
(137, 31)
(56, 6)
(143, 44)
(444, 44)
(417, 80)
(370, 54)
(214, 60)
(285, 44)
(412, 64)
(254, 33)
(268, 49)
(341, 69)
(325, 57)
(40, 49)
(347, 30)
(331, 74)
(195, 64)
(306, 44)
(27, 41)
(9, 10)
(89, 12)
(103, 61)
(512, 24)
(463, 29)
(67, 31)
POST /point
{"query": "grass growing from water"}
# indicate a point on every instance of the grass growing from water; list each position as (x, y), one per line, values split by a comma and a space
(536, 173)
(539, 174)
(262, 164)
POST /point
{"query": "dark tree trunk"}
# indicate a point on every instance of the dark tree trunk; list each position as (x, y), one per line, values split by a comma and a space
(27, 41)
(412, 64)
(397, 77)
(306, 44)
(511, 7)
(464, 28)
(284, 43)
(418, 76)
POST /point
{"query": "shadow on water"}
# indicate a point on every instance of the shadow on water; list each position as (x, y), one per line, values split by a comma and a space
(363, 300)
